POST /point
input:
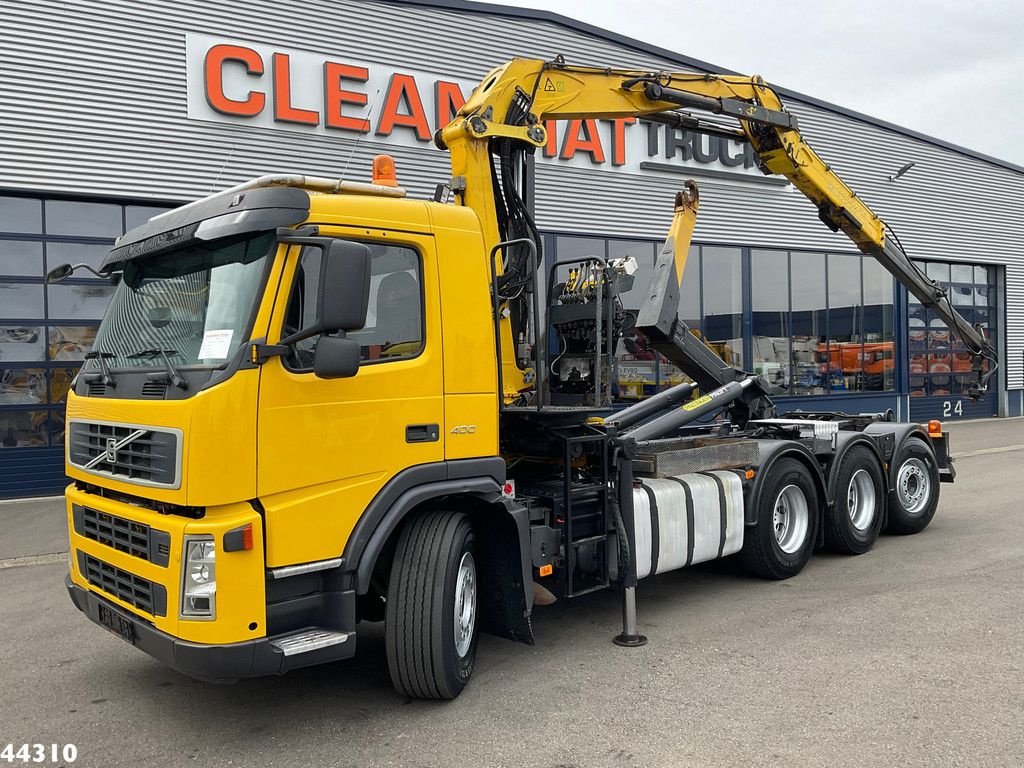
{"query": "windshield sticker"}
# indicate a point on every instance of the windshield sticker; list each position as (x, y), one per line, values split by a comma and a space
(216, 345)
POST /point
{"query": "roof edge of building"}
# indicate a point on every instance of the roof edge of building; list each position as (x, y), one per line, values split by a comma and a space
(473, 6)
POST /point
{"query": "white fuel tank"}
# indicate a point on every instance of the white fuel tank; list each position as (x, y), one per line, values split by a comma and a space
(692, 518)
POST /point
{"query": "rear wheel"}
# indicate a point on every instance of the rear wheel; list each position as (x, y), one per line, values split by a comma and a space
(780, 543)
(915, 494)
(431, 623)
(855, 520)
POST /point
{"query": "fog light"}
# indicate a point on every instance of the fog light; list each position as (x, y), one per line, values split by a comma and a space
(199, 585)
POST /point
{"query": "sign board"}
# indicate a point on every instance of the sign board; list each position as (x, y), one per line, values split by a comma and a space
(270, 87)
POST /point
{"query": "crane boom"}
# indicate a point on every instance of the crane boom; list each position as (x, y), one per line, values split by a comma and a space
(504, 117)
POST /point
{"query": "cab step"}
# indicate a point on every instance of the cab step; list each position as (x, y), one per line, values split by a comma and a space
(309, 640)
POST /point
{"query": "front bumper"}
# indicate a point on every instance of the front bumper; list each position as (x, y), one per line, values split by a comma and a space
(252, 658)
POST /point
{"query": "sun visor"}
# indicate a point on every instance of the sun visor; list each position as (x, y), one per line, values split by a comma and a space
(213, 218)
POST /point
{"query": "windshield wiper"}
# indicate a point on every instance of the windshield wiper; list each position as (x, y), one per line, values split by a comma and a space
(104, 374)
(171, 373)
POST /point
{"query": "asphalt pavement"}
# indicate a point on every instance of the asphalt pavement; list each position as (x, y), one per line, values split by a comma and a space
(909, 655)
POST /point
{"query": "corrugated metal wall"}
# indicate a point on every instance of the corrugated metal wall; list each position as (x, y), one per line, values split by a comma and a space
(92, 101)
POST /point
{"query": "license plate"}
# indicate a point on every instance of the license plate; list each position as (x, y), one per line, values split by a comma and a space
(117, 624)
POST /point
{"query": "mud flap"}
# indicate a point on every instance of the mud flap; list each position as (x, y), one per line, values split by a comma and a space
(506, 584)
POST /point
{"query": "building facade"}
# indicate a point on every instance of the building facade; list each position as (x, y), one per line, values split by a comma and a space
(114, 111)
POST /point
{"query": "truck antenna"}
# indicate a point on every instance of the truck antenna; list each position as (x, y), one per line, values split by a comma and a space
(225, 165)
(355, 145)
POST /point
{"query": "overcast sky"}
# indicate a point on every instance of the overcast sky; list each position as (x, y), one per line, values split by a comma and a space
(950, 69)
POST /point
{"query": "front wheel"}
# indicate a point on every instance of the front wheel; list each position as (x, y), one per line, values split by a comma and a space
(781, 541)
(430, 627)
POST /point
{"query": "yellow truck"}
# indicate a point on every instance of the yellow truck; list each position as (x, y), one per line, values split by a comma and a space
(314, 403)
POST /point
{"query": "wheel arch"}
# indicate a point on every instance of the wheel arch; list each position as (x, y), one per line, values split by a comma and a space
(845, 442)
(771, 451)
(472, 486)
(901, 433)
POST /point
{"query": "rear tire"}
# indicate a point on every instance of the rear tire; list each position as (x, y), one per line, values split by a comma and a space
(779, 545)
(855, 520)
(430, 627)
(915, 495)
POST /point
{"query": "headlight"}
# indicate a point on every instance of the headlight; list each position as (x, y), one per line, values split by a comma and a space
(199, 582)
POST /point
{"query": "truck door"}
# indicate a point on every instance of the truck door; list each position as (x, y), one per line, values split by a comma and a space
(326, 447)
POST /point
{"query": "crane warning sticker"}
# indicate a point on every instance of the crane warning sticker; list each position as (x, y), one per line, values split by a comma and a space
(216, 345)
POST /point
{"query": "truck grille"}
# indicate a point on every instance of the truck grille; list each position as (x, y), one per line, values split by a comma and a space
(137, 539)
(134, 454)
(134, 590)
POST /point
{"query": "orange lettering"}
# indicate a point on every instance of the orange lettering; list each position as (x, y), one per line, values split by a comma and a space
(213, 76)
(590, 141)
(448, 100)
(284, 112)
(402, 89)
(335, 97)
(551, 146)
(619, 139)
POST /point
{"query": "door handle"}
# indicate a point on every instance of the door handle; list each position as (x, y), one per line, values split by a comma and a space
(422, 433)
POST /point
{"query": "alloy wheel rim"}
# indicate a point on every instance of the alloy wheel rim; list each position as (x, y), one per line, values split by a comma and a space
(913, 486)
(860, 500)
(790, 519)
(465, 604)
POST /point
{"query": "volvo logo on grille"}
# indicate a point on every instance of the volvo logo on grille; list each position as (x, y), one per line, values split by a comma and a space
(111, 446)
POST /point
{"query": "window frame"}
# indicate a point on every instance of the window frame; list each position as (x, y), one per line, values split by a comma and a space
(421, 274)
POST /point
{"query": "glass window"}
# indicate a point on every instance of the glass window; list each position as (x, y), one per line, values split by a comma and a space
(22, 386)
(635, 364)
(21, 344)
(961, 295)
(394, 318)
(21, 215)
(136, 215)
(78, 302)
(76, 253)
(578, 247)
(60, 383)
(689, 294)
(70, 342)
(21, 258)
(722, 287)
(810, 352)
(196, 301)
(769, 308)
(938, 271)
(66, 217)
(21, 429)
(981, 275)
(22, 300)
(669, 375)
(845, 351)
(879, 344)
(961, 273)
(644, 253)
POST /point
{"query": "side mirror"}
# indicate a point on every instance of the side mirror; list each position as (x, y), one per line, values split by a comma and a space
(336, 357)
(344, 287)
(57, 274)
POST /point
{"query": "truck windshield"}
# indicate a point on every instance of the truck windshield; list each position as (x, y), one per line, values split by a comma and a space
(195, 304)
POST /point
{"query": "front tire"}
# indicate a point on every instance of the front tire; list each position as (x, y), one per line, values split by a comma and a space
(855, 520)
(779, 545)
(431, 627)
(915, 493)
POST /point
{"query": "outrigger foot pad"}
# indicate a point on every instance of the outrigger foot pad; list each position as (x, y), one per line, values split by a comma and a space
(629, 637)
(630, 641)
